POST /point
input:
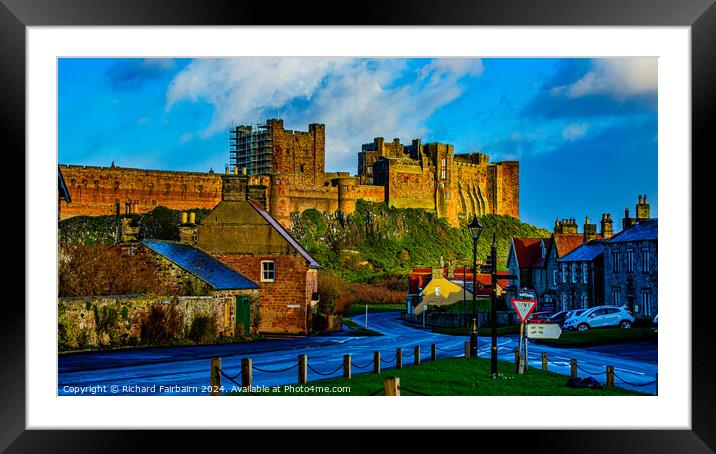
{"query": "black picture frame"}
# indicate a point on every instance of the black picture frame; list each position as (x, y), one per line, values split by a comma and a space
(700, 15)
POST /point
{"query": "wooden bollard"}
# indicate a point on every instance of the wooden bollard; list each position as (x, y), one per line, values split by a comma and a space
(346, 366)
(398, 358)
(302, 373)
(610, 376)
(573, 371)
(544, 361)
(215, 377)
(433, 352)
(246, 372)
(416, 354)
(392, 386)
(376, 362)
(467, 349)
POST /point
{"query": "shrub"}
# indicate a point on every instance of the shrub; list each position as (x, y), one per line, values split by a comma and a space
(162, 325)
(330, 287)
(202, 329)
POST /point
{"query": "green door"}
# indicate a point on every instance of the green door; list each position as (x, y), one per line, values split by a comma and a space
(243, 315)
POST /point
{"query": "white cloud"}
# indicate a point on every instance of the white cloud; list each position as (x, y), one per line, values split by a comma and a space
(357, 99)
(186, 137)
(574, 131)
(618, 76)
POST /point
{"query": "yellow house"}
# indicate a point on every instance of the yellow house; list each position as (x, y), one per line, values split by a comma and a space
(441, 292)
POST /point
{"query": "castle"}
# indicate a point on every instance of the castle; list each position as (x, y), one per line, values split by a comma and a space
(285, 172)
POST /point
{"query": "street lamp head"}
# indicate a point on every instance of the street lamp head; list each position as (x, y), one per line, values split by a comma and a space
(475, 229)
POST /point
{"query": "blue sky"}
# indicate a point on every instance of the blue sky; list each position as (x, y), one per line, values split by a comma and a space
(584, 130)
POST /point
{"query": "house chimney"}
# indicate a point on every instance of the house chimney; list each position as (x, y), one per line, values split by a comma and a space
(606, 225)
(129, 229)
(590, 230)
(643, 210)
(187, 229)
(226, 169)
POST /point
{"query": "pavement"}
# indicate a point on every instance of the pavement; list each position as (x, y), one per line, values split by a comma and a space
(185, 370)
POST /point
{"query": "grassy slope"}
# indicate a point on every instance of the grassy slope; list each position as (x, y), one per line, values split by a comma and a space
(460, 377)
(601, 337)
(379, 240)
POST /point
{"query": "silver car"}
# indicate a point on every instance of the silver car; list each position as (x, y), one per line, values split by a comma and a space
(600, 317)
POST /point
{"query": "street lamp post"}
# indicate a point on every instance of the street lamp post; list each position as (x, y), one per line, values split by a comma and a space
(475, 229)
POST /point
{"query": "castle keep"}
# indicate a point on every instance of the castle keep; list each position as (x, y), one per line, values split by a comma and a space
(285, 173)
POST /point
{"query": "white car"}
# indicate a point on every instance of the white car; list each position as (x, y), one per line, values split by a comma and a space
(600, 317)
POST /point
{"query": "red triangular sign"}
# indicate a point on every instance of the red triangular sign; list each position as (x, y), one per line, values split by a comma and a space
(524, 308)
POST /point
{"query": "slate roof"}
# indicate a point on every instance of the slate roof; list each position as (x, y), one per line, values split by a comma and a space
(585, 253)
(202, 265)
(646, 230)
(287, 236)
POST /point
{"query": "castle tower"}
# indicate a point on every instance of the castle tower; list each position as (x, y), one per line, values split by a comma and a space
(280, 202)
(590, 230)
(346, 194)
(606, 226)
(642, 208)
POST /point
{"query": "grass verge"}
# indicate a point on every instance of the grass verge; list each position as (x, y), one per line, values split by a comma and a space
(601, 337)
(358, 309)
(358, 330)
(451, 377)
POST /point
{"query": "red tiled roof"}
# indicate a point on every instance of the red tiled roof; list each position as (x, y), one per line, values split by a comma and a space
(528, 251)
(567, 242)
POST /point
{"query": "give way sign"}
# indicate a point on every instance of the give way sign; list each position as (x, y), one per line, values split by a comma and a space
(524, 308)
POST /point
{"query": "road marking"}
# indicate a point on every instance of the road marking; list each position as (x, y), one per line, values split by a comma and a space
(629, 371)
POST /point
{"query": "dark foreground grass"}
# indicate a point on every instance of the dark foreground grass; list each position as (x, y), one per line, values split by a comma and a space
(451, 377)
(601, 337)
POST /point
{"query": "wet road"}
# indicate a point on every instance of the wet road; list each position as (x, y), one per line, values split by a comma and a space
(185, 370)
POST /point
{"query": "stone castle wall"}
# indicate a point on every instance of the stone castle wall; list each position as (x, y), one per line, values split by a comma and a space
(96, 190)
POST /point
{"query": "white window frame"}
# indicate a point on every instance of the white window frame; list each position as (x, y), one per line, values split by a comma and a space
(645, 265)
(615, 260)
(263, 271)
(554, 277)
(585, 273)
(564, 273)
(574, 273)
(629, 260)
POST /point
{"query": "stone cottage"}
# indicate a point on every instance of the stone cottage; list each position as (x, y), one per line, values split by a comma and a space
(583, 283)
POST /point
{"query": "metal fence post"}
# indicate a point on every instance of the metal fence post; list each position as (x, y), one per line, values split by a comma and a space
(376, 362)
(302, 373)
(346, 366)
(246, 372)
(215, 377)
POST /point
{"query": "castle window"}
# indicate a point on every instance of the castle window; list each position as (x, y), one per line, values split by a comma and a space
(150, 187)
(84, 183)
(96, 184)
(443, 169)
(303, 168)
(268, 271)
(116, 185)
(167, 187)
(72, 182)
(200, 190)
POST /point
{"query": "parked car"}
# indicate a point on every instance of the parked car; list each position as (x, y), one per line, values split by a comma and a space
(557, 318)
(572, 313)
(600, 317)
(538, 317)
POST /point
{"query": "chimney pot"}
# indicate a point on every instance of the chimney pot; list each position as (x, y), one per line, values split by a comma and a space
(183, 217)
(192, 218)
(236, 170)
(243, 170)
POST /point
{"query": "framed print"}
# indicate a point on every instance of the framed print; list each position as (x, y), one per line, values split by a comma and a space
(273, 223)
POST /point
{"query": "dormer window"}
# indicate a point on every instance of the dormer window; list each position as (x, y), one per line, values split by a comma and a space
(268, 271)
